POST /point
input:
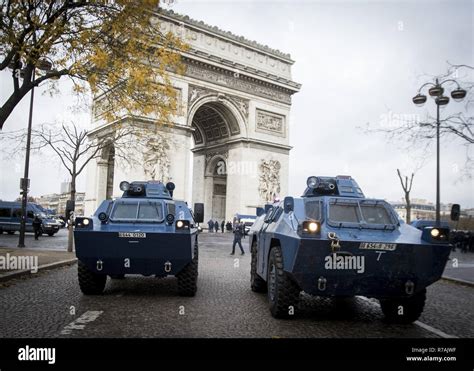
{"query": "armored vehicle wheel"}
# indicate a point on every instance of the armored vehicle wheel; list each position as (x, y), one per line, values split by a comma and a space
(187, 278)
(283, 292)
(256, 282)
(51, 234)
(90, 283)
(117, 276)
(403, 310)
(11, 232)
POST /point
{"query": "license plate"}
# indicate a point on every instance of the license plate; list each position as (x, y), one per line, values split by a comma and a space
(378, 246)
(132, 235)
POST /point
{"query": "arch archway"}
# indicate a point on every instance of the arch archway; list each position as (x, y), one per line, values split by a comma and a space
(215, 121)
(217, 170)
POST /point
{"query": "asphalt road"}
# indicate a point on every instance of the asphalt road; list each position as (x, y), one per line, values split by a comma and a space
(51, 305)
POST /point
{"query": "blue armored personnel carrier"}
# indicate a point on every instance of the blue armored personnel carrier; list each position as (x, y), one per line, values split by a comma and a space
(335, 242)
(144, 232)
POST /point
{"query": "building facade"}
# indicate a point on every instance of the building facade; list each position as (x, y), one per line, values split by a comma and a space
(229, 144)
(57, 202)
(421, 209)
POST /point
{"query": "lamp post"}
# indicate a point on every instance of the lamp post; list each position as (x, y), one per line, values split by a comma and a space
(436, 91)
(43, 65)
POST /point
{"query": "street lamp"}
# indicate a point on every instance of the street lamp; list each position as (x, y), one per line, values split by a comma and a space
(43, 65)
(436, 91)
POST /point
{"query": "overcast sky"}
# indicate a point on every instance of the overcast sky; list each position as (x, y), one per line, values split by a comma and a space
(358, 62)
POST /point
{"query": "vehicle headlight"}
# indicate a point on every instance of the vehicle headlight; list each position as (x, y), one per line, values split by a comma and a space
(82, 222)
(311, 227)
(435, 234)
(182, 224)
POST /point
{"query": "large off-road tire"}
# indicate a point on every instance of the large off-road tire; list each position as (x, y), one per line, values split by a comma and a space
(50, 234)
(11, 232)
(403, 310)
(283, 292)
(187, 278)
(90, 283)
(257, 283)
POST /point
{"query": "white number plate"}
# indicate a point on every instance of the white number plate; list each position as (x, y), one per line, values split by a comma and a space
(132, 235)
(378, 246)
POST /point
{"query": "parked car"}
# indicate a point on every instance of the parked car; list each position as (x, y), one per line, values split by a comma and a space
(10, 218)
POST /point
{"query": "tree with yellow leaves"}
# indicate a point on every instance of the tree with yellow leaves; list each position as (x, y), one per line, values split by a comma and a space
(112, 49)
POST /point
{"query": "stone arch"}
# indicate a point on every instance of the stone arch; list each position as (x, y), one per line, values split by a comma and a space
(215, 118)
(213, 162)
(216, 175)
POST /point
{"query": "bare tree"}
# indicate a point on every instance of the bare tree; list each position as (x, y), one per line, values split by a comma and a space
(72, 145)
(406, 185)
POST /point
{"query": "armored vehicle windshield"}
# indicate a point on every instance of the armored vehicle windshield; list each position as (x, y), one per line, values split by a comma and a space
(130, 211)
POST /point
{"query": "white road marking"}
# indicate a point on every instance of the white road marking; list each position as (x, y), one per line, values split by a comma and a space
(434, 330)
(81, 322)
(418, 323)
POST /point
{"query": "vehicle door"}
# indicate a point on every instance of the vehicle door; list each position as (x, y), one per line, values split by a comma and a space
(264, 240)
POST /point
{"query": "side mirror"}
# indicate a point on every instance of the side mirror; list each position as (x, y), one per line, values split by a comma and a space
(288, 204)
(198, 212)
(267, 208)
(260, 211)
(455, 212)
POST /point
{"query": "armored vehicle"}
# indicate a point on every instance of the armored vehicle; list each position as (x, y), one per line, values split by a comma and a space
(144, 232)
(335, 242)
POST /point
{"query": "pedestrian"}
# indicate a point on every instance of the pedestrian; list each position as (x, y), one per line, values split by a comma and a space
(471, 242)
(464, 242)
(222, 226)
(228, 226)
(216, 226)
(210, 224)
(37, 222)
(238, 232)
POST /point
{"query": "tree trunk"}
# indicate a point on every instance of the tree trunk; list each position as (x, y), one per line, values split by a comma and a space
(408, 207)
(70, 237)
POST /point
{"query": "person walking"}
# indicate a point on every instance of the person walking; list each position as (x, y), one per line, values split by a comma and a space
(222, 226)
(210, 224)
(238, 232)
(216, 226)
(37, 222)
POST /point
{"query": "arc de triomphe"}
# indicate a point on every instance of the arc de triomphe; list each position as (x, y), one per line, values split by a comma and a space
(229, 145)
